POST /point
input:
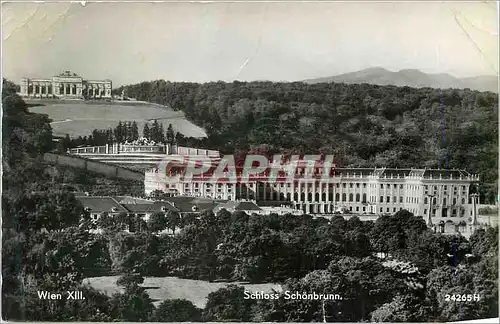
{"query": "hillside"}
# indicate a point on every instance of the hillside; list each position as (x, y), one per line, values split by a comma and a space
(80, 118)
(412, 78)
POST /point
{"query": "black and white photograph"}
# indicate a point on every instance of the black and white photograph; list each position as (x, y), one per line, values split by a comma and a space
(250, 161)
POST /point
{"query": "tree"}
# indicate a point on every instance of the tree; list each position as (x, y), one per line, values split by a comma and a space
(155, 131)
(134, 131)
(133, 305)
(173, 220)
(441, 282)
(170, 136)
(119, 133)
(157, 222)
(161, 133)
(130, 280)
(13, 105)
(228, 304)
(403, 308)
(146, 133)
(177, 310)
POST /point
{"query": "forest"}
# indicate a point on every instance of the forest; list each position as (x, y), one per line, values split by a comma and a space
(47, 245)
(362, 125)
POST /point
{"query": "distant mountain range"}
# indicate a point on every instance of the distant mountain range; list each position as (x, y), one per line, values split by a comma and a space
(413, 78)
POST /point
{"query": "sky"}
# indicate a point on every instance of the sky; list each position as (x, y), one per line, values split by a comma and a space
(278, 41)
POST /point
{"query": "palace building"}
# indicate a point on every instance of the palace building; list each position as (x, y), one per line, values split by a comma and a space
(66, 85)
(441, 197)
(441, 194)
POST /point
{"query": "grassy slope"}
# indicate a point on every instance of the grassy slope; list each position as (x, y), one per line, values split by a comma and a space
(80, 118)
(162, 288)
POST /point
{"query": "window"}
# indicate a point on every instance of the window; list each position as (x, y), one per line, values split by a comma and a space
(387, 199)
(381, 199)
(445, 187)
(454, 201)
(364, 208)
(350, 185)
(394, 210)
(425, 200)
(344, 197)
(357, 197)
(387, 209)
(343, 185)
(350, 208)
(395, 186)
(394, 199)
(357, 208)
(400, 199)
(425, 211)
(364, 185)
(444, 201)
(357, 185)
(350, 197)
(426, 187)
(400, 186)
(463, 201)
(364, 197)
(381, 186)
(381, 209)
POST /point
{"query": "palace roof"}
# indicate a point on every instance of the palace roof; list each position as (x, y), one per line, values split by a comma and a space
(68, 74)
(100, 204)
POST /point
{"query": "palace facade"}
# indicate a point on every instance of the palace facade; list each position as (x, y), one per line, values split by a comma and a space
(66, 85)
(437, 195)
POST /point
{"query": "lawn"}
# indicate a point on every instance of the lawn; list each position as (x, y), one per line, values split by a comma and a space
(80, 118)
(162, 288)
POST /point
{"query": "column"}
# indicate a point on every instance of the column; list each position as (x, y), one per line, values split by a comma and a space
(314, 192)
(334, 200)
(24, 87)
(79, 89)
